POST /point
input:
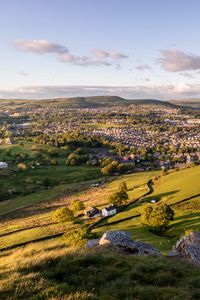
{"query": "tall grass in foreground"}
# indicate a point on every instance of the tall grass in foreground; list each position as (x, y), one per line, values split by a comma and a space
(50, 270)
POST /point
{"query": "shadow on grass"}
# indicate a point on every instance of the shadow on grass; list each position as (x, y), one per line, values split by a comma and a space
(184, 221)
(158, 197)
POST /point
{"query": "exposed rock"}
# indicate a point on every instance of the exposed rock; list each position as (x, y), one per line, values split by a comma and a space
(123, 240)
(188, 247)
(92, 243)
(116, 238)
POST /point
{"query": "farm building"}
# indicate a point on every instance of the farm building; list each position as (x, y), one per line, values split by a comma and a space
(109, 211)
(92, 212)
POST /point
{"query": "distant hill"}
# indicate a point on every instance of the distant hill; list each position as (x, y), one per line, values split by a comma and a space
(190, 103)
(108, 100)
(90, 101)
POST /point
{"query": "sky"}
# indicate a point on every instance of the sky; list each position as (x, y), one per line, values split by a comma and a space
(130, 48)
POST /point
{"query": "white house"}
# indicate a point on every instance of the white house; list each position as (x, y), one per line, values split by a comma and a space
(153, 201)
(3, 165)
(109, 211)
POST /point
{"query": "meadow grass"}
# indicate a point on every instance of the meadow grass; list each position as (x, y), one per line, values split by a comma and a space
(168, 189)
(137, 185)
(51, 270)
(177, 185)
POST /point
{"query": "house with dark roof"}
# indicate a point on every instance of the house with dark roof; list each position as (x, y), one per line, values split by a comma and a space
(92, 212)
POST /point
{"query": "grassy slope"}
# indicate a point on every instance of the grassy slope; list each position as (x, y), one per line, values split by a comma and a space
(135, 182)
(62, 178)
(170, 189)
(178, 185)
(86, 101)
(49, 270)
(32, 179)
(185, 218)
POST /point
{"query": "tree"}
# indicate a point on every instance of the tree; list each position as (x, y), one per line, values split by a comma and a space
(110, 169)
(123, 186)
(118, 198)
(46, 182)
(77, 205)
(77, 237)
(157, 216)
(22, 167)
(73, 159)
(54, 162)
(63, 215)
(106, 161)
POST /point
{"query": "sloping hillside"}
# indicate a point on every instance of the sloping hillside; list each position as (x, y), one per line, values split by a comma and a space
(91, 101)
(50, 270)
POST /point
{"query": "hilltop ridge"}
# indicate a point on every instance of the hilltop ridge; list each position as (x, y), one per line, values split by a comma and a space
(91, 101)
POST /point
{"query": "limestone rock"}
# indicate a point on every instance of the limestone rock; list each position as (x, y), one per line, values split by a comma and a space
(188, 247)
(116, 238)
(92, 243)
(124, 241)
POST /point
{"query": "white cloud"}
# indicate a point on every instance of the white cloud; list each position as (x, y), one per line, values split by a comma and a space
(103, 58)
(99, 53)
(188, 75)
(143, 67)
(168, 91)
(176, 61)
(67, 58)
(39, 46)
(24, 73)
(118, 55)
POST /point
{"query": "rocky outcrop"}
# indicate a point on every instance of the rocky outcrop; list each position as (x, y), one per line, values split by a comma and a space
(122, 240)
(92, 243)
(188, 247)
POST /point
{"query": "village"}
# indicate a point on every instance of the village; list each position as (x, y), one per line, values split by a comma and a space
(152, 136)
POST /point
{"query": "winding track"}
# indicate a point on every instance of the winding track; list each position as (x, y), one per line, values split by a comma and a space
(94, 225)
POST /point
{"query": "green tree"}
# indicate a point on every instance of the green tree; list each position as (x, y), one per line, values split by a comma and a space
(77, 237)
(110, 169)
(123, 186)
(54, 162)
(157, 216)
(63, 215)
(118, 198)
(22, 167)
(77, 205)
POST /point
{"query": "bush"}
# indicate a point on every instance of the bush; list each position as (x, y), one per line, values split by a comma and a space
(76, 238)
(110, 169)
(63, 215)
(77, 205)
(157, 216)
(123, 186)
(54, 162)
(52, 153)
(22, 167)
(119, 198)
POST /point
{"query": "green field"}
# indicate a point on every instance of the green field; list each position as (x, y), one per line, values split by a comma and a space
(38, 267)
(34, 177)
(100, 125)
(50, 270)
(170, 189)
(186, 213)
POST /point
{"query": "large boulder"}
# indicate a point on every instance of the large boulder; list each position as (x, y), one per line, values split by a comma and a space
(188, 247)
(92, 243)
(123, 240)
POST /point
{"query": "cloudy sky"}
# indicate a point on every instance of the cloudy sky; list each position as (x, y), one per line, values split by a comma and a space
(130, 48)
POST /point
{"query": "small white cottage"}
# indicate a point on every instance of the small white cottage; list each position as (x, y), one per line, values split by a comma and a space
(109, 211)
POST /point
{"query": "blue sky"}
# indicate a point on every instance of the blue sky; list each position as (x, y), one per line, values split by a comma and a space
(130, 48)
